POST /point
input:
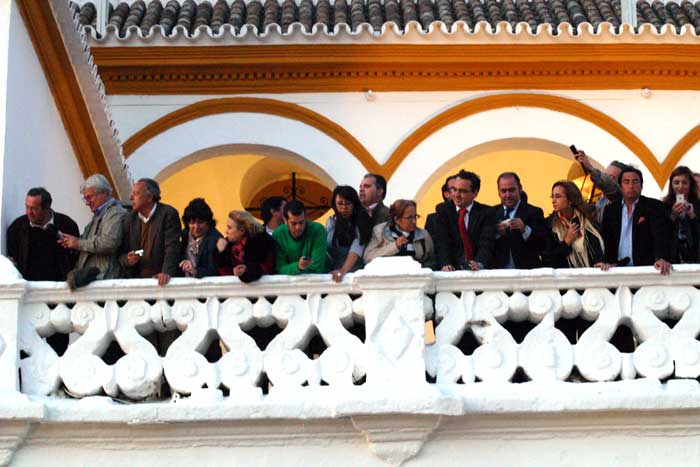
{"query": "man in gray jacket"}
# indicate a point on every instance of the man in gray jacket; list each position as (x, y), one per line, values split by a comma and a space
(100, 241)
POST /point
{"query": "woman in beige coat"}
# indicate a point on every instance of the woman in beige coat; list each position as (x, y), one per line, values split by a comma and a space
(401, 237)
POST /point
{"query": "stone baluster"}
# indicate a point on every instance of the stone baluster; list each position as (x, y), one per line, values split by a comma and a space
(11, 293)
(395, 307)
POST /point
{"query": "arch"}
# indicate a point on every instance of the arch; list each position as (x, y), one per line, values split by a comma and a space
(257, 149)
(532, 144)
(253, 105)
(544, 101)
(680, 149)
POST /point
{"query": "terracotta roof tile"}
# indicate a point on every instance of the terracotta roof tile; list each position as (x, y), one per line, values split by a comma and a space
(237, 13)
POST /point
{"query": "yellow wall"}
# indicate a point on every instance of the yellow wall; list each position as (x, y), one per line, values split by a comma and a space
(220, 181)
(537, 170)
(217, 180)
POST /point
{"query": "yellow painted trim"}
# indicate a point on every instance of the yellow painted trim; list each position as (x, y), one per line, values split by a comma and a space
(253, 105)
(679, 150)
(555, 103)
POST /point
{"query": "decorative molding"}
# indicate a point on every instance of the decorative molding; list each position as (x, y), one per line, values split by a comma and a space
(545, 101)
(395, 67)
(254, 105)
(52, 49)
(395, 440)
(12, 435)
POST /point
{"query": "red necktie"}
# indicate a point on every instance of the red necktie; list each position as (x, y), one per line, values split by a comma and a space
(466, 241)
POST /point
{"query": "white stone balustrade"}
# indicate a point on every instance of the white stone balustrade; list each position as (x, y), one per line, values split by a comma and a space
(380, 383)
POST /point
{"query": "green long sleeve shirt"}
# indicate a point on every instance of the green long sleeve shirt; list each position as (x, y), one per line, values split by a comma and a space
(312, 243)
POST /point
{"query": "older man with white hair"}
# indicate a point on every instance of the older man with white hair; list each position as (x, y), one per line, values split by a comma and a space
(100, 241)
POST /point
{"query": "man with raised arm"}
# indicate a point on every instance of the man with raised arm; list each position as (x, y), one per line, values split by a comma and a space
(604, 181)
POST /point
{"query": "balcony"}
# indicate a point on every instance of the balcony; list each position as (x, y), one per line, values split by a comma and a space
(542, 367)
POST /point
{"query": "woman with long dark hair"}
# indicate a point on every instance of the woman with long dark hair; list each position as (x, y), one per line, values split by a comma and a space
(575, 241)
(348, 231)
(682, 205)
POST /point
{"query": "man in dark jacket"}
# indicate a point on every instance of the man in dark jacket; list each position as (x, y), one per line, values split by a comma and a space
(520, 227)
(464, 232)
(151, 235)
(636, 231)
(32, 240)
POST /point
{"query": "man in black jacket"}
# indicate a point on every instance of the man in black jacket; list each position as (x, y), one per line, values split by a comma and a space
(635, 229)
(464, 233)
(520, 227)
(32, 240)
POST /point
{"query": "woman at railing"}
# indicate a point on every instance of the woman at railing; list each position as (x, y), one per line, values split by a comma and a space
(348, 231)
(248, 251)
(575, 241)
(682, 205)
(401, 237)
(198, 240)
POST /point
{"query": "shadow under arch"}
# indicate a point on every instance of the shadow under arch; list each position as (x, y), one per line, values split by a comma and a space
(505, 144)
(544, 101)
(249, 149)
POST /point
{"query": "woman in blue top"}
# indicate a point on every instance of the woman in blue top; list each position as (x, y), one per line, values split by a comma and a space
(348, 231)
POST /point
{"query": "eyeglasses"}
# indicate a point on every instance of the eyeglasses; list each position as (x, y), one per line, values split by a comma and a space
(343, 203)
(90, 197)
(411, 218)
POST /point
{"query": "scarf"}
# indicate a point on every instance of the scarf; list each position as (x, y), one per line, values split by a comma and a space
(579, 257)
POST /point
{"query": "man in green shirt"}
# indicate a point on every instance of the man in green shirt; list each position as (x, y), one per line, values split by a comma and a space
(301, 244)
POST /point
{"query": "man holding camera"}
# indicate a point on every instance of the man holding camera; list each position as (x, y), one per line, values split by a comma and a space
(520, 227)
(301, 243)
(31, 240)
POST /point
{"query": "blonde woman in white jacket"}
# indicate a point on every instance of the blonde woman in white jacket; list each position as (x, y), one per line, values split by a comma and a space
(401, 236)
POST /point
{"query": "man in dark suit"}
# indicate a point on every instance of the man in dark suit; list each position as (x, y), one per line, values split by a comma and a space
(446, 197)
(520, 227)
(464, 232)
(32, 240)
(372, 193)
(635, 229)
(151, 235)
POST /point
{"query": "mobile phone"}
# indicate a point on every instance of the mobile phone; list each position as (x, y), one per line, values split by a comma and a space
(59, 235)
(573, 149)
(138, 252)
(680, 198)
(306, 258)
(576, 221)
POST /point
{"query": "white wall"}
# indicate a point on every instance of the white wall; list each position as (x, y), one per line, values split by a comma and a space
(4, 51)
(659, 119)
(36, 150)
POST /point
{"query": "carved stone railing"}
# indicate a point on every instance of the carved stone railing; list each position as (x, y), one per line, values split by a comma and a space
(556, 329)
